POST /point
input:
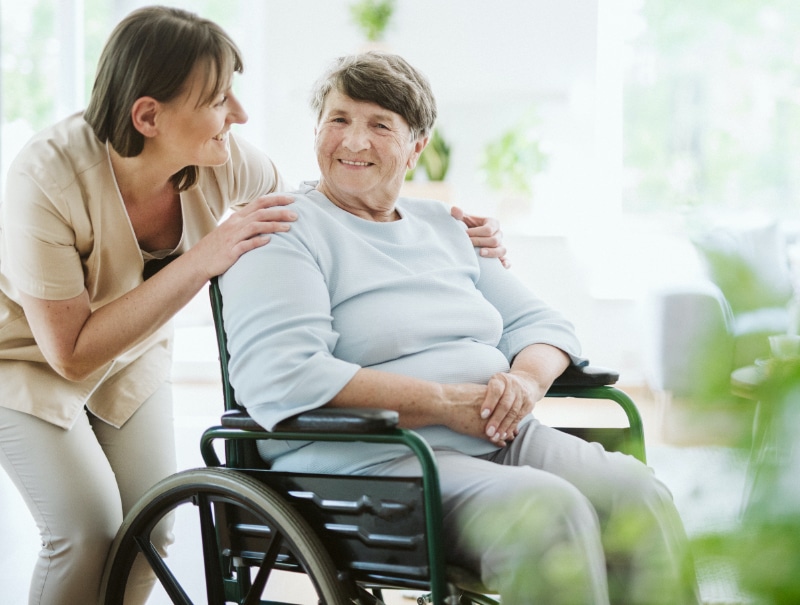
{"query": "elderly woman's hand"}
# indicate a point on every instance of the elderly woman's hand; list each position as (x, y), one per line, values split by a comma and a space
(485, 234)
(463, 412)
(510, 396)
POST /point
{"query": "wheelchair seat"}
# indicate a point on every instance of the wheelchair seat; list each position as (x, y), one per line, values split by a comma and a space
(351, 537)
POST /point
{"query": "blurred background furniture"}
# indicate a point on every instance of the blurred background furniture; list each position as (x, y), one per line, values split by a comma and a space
(701, 331)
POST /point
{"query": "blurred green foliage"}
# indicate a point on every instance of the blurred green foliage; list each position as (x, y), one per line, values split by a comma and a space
(30, 51)
(512, 160)
(28, 84)
(434, 160)
(712, 106)
(372, 17)
(763, 550)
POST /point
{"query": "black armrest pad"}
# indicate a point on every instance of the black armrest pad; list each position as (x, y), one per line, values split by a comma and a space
(240, 419)
(322, 420)
(586, 376)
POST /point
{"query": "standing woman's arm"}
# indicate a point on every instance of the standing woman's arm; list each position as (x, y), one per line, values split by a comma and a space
(77, 341)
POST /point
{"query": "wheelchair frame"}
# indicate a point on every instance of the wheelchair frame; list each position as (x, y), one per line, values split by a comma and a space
(245, 507)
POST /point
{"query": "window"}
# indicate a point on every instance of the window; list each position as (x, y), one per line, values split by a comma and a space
(49, 50)
(712, 107)
(49, 54)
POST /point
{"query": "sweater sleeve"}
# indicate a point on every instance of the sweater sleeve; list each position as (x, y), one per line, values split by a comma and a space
(277, 316)
(527, 319)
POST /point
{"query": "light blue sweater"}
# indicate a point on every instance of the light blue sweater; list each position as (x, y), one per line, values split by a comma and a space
(337, 293)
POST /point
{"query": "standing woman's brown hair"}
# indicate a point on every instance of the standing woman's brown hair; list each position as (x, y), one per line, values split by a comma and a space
(152, 53)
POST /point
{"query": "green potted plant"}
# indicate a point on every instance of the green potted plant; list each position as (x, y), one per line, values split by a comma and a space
(511, 161)
(510, 164)
(372, 17)
(435, 159)
(434, 162)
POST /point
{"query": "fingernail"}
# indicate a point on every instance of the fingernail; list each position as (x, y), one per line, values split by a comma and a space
(484, 252)
(490, 431)
(485, 414)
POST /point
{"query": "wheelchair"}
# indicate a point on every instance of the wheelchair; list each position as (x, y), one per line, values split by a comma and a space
(350, 538)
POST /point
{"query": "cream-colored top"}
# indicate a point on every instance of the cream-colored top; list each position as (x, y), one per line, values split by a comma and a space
(63, 228)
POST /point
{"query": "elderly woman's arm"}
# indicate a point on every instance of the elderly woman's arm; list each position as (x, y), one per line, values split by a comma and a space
(539, 342)
(280, 302)
(281, 299)
(491, 411)
(418, 402)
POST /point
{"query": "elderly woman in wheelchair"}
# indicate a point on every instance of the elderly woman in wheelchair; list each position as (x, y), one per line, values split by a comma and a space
(377, 301)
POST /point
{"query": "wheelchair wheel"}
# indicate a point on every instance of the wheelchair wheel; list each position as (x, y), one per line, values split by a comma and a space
(209, 506)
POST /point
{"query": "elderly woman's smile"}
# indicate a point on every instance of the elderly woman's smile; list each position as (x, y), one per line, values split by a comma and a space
(364, 151)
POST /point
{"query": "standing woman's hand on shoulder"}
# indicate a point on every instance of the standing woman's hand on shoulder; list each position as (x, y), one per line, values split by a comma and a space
(246, 229)
(77, 340)
(485, 234)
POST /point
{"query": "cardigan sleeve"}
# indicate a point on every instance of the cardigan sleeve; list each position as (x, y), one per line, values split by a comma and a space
(527, 319)
(277, 315)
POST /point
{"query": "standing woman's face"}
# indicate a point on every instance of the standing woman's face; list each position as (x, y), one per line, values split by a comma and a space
(194, 130)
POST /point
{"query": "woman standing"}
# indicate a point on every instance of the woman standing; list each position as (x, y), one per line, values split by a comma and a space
(93, 204)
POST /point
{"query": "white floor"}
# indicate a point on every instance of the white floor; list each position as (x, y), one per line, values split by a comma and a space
(706, 481)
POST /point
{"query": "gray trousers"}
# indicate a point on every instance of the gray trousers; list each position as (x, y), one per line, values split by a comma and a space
(78, 484)
(553, 519)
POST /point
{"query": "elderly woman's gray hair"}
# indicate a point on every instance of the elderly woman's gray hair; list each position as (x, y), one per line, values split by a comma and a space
(382, 78)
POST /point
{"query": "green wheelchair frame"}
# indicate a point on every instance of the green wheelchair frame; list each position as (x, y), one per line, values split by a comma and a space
(352, 536)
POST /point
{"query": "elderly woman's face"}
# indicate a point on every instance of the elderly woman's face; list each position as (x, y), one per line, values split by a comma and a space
(363, 151)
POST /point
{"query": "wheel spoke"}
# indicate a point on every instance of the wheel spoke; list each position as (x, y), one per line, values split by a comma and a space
(264, 570)
(168, 580)
(211, 557)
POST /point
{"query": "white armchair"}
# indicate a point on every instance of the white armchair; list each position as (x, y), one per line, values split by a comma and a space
(698, 333)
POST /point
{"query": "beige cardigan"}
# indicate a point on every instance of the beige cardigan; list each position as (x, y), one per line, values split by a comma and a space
(63, 228)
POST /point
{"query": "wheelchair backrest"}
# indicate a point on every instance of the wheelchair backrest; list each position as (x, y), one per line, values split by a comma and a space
(228, 395)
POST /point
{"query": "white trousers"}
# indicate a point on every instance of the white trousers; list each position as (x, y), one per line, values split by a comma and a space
(78, 485)
(553, 519)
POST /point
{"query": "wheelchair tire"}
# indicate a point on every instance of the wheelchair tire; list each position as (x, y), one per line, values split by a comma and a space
(203, 489)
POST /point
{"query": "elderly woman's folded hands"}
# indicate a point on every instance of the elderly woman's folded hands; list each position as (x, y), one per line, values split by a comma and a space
(510, 396)
(492, 411)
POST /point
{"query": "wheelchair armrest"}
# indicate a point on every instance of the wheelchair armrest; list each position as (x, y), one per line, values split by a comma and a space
(240, 419)
(586, 376)
(322, 420)
(373, 420)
